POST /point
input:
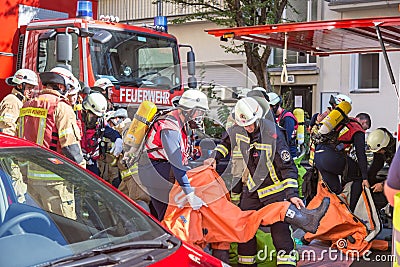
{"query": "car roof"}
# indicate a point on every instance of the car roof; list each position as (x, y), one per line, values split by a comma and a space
(12, 141)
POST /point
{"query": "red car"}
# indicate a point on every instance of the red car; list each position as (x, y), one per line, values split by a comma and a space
(103, 227)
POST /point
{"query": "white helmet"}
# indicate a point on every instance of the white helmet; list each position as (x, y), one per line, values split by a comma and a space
(121, 112)
(96, 103)
(193, 98)
(23, 76)
(378, 139)
(69, 78)
(76, 87)
(103, 83)
(259, 88)
(109, 115)
(59, 75)
(247, 111)
(341, 97)
(274, 98)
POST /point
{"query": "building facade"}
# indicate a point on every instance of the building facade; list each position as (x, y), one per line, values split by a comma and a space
(363, 77)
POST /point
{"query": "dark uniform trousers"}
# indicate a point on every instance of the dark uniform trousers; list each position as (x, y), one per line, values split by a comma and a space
(281, 232)
(332, 163)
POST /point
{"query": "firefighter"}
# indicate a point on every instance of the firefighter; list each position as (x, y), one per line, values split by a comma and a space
(344, 155)
(104, 86)
(49, 120)
(273, 174)
(75, 101)
(317, 118)
(166, 151)
(239, 169)
(107, 163)
(24, 82)
(119, 120)
(285, 119)
(130, 183)
(382, 143)
(95, 128)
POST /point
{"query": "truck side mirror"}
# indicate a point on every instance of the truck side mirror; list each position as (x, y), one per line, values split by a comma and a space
(191, 63)
(64, 47)
(47, 35)
(102, 37)
(192, 82)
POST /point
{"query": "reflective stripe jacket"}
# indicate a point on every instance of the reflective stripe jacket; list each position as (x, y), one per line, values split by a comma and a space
(9, 112)
(270, 173)
(154, 146)
(49, 121)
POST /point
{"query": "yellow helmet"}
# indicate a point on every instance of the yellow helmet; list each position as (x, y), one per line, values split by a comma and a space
(96, 103)
(377, 140)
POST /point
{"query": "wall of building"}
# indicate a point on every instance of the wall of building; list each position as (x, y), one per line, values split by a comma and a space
(335, 73)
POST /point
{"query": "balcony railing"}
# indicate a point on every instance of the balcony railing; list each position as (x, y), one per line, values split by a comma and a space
(350, 5)
(347, 2)
(139, 10)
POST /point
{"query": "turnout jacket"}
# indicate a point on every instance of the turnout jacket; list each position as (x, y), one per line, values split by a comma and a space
(271, 175)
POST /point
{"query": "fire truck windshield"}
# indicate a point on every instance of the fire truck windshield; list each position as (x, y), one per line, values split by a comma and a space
(137, 59)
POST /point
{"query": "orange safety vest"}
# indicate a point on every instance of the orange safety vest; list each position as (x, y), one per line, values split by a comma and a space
(221, 222)
(38, 115)
(154, 144)
(346, 133)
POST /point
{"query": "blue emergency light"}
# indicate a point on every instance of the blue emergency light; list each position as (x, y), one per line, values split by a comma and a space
(160, 23)
(84, 9)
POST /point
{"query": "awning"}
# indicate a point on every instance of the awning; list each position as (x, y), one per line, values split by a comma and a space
(322, 38)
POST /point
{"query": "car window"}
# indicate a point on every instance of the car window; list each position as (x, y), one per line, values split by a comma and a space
(67, 204)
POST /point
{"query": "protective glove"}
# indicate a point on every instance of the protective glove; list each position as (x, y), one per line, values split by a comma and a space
(194, 201)
(117, 148)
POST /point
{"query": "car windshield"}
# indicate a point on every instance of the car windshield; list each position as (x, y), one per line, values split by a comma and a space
(92, 216)
(137, 59)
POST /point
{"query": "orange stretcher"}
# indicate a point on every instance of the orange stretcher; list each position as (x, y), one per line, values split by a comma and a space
(221, 222)
(348, 232)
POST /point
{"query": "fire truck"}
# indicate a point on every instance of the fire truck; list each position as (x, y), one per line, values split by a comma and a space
(143, 62)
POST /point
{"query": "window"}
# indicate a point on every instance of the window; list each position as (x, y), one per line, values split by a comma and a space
(300, 11)
(364, 72)
(47, 57)
(136, 59)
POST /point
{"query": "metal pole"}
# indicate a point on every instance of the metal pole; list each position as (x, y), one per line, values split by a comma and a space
(385, 56)
(159, 8)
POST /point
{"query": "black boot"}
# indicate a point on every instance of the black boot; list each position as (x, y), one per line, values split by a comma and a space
(308, 220)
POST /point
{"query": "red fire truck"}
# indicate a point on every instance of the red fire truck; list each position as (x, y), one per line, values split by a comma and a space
(143, 63)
